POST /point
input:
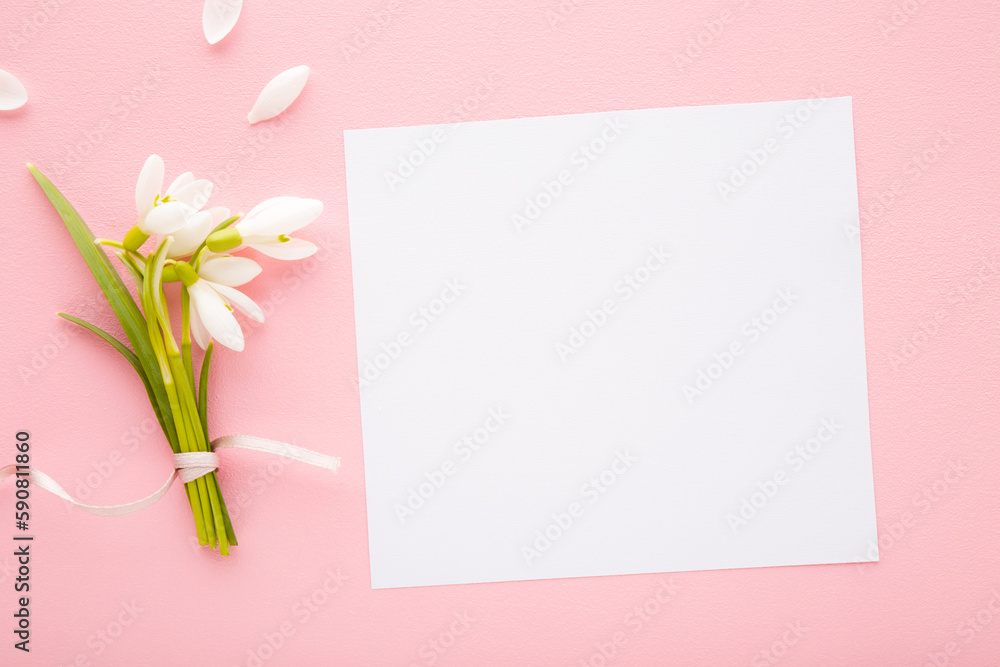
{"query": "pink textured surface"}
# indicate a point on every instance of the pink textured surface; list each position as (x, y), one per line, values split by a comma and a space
(111, 82)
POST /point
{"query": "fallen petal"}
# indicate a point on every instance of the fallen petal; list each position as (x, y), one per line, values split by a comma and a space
(219, 17)
(279, 93)
(12, 92)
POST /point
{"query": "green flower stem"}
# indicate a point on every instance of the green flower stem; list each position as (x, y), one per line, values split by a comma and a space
(186, 335)
(219, 514)
(230, 534)
(194, 430)
(121, 246)
(184, 391)
(182, 371)
(156, 338)
(206, 365)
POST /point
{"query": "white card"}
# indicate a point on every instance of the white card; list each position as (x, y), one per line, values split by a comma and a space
(611, 343)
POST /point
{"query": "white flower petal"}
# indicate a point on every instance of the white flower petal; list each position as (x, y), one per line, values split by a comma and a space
(292, 249)
(231, 271)
(179, 182)
(243, 303)
(189, 237)
(12, 92)
(219, 17)
(279, 93)
(216, 316)
(198, 330)
(282, 218)
(219, 213)
(149, 183)
(268, 203)
(167, 218)
(195, 193)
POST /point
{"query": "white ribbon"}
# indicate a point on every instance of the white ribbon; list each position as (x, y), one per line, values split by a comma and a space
(188, 466)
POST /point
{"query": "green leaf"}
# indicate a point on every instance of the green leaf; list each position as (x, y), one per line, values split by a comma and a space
(119, 298)
(125, 352)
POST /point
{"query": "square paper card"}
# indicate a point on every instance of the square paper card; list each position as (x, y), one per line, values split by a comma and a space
(611, 343)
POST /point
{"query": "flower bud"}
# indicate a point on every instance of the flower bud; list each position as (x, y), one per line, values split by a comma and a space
(135, 238)
(224, 240)
(187, 274)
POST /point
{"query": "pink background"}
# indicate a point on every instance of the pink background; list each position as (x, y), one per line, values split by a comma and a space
(111, 82)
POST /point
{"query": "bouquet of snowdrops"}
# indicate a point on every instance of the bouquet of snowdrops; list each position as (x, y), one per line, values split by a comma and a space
(192, 254)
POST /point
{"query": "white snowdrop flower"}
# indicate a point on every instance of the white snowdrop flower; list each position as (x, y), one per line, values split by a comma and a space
(266, 228)
(213, 298)
(164, 212)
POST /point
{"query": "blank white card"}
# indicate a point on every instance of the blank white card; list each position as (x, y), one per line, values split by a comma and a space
(611, 343)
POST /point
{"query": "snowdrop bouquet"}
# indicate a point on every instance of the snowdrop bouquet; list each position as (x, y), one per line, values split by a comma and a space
(191, 253)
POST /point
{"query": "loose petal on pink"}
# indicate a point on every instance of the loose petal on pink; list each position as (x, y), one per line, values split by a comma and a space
(219, 17)
(12, 92)
(279, 93)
